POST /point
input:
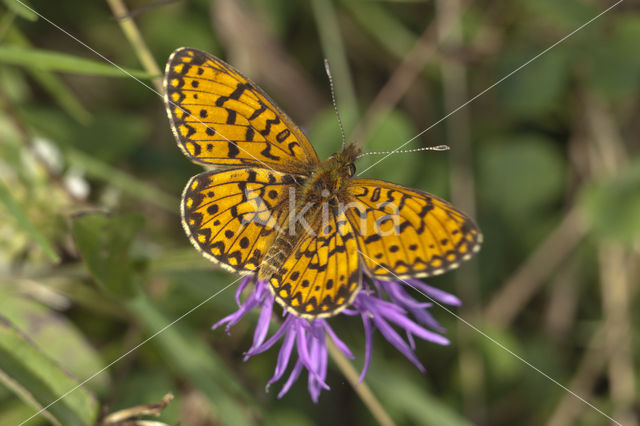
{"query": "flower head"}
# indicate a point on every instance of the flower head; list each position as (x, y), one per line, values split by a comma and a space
(382, 305)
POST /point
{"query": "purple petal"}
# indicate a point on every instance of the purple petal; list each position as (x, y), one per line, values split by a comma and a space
(414, 328)
(336, 340)
(283, 357)
(412, 341)
(435, 293)
(424, 317)
(303, 344)
(263, 323)
(324, 356)
(377, 304)
(320, 349)
(231, 320)
(379, 285)
(243, 284)
(368, 345)
(350, 312)
(390, 334)
(284, 328)
(400, 295)
(252, 301)
(319, 358)
(417, 309)
(292, 378)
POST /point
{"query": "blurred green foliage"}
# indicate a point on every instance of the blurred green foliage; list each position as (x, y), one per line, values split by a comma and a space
(94, 262)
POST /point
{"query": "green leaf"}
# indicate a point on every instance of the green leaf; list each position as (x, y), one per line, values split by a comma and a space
(13, 411)
(613, 205)
(536, 88)
(23, 221)
(198, 363)
(21, 8)
(104, 243)
(501, 365)
(39, 381)
(324, 132)
(521, 175)
(111, 135)
(563, 16)
(57, 337)
(394, 130)
(613, 64)
(56, 61)
(399, 391)
(384, 27)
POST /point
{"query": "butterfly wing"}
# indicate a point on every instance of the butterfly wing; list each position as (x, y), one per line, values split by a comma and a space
(220, 117)
(405, 233)
(321, 276)
(232, 216)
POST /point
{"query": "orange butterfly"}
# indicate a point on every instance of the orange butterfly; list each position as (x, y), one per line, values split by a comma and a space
(271, 206)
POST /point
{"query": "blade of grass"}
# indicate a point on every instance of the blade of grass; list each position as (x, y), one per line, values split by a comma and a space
(21, 218)
(6, 21)
(52, 83)
(56, 61)
(57, 337)
(37, 379)
(333, 48)
(200, 364)
(125, 182)
(19, 9)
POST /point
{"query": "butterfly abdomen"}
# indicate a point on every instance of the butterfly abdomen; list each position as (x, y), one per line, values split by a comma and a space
(275, 256)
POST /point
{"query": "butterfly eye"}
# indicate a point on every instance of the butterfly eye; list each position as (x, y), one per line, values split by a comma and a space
(352, 169)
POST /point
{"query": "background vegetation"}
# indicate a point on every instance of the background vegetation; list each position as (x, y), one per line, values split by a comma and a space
(94, 262)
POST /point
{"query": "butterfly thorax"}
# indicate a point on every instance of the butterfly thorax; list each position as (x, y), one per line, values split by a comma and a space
(328, 181)
(318, 195)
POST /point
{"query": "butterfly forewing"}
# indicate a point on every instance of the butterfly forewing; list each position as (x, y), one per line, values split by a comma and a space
(405, 233)
(232, 216)
(220, 117)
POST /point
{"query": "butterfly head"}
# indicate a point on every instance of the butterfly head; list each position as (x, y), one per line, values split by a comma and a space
(343, 162)
(328, 180)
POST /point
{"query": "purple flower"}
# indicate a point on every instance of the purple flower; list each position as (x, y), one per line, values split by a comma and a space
(382, 305)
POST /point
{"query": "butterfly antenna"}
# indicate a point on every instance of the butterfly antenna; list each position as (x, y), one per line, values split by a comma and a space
(396, 151)
(333, 100)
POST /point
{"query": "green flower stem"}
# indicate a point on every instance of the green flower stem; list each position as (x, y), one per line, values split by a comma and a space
(130, 30)
(362, 389)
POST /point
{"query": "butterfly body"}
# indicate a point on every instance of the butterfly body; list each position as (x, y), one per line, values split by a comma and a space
(270, 206)
(318, 196)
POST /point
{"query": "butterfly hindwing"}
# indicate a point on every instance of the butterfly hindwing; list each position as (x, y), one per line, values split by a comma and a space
(405, 233)
(321, 276)
(231, 216)
(220, 117)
